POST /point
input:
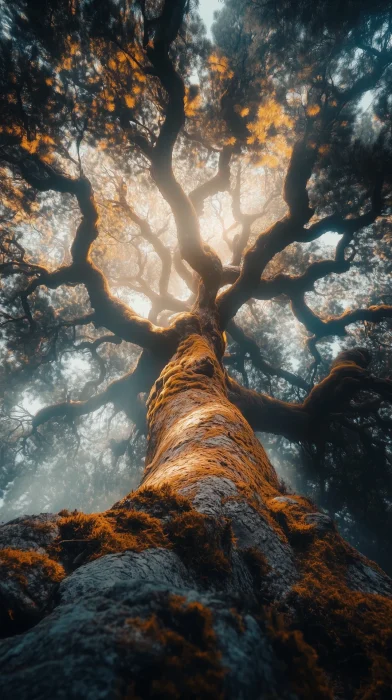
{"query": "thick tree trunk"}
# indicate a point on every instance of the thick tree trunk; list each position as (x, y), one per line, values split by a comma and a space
(208, 581)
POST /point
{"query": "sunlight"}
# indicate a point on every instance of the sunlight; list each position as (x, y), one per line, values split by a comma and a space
(139, 302)
(207, 9)
(331, 238)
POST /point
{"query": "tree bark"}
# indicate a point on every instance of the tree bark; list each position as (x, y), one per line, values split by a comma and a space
(208, 581)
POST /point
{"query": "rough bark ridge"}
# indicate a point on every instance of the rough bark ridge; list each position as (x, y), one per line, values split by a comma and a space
(207, 581)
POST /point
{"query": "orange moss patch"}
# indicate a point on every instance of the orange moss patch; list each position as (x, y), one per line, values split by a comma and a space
(35, 574)
(162, 501)
(351, 631)
(186, 662)
(306, 677)
(105, 533)
(44, 527)
(290, 511)
(203, 542)
(17, 563)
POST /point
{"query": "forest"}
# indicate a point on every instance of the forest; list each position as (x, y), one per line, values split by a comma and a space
(195, 341)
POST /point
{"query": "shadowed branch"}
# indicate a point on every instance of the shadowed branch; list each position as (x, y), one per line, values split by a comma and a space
(328, 401)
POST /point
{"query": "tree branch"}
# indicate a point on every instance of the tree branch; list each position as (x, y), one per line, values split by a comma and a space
(109, 311)
(218, 183)
(291, 229)
(159, 34)
(241, 240)
(311, 420)
(248, 345)
(336, 326)
(277, 237)
(123, 393)
(92, 347)
(146, 232)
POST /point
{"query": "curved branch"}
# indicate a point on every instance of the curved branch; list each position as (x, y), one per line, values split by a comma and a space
(146, 232)
(218, 183)
(277, 237)
(292, 285)
(159, 34)
(249, 345)
(183, 272)
(159, 302)
(73, 409)
(92, 347)
(241, 240)
(295, 192)
(109, 311)
(365, 82)
(289, 230)
(311, 420)
(123, 393)
(20, 267)
(336, 326)
(269, 415)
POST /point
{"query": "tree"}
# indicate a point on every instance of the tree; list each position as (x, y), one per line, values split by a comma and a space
(209, 579)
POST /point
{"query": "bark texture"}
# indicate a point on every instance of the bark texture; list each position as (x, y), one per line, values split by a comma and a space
(209, 581)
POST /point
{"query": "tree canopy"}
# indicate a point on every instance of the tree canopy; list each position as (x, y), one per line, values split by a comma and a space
(149, 172)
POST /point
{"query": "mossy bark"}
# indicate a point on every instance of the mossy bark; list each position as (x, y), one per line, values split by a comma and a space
(208, 581)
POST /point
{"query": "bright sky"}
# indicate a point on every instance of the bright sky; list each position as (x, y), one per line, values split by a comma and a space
(207, 9)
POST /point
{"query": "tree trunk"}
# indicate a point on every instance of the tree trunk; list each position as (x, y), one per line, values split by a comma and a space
(209, 581)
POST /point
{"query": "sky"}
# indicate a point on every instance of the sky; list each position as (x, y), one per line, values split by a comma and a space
(207, 9)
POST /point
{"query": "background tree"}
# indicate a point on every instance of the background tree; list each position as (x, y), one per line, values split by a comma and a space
(195, 246)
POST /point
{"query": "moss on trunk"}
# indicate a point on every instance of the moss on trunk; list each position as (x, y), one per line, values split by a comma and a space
(207, 581)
